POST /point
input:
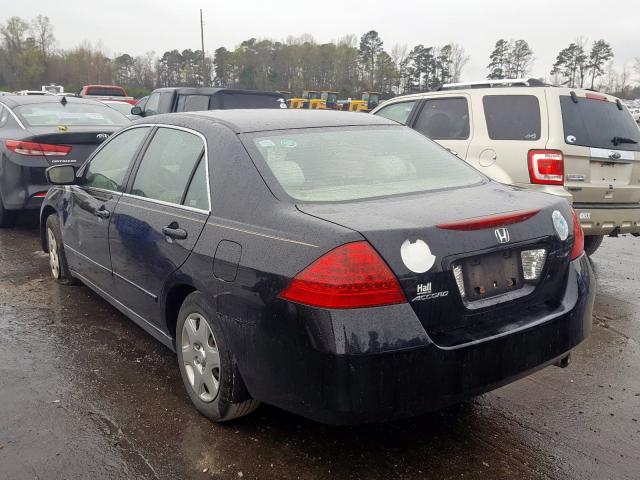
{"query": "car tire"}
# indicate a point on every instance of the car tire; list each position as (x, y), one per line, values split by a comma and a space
(7, 217)
(57, 257)
(207, 366)
(592, 243)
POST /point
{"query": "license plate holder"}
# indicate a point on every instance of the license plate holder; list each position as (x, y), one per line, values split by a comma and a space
(491, 274)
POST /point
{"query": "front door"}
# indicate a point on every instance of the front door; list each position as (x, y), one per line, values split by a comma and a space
(157, 223)
(93, 201)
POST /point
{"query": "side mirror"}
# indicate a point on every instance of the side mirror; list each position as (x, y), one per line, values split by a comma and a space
(137, 111)
(61, 175)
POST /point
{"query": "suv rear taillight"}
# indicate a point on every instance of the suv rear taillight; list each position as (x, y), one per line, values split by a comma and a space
(578, 236)
(350, 276)
(36, 149)
(546, 167)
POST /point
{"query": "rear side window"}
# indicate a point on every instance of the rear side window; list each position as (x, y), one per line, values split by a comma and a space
(598, 124)
(192, 103)
(444, 119)
(512, 117)
(232, 100)
(109, 166)
(398, 112)
(197, 194)
(168, 165)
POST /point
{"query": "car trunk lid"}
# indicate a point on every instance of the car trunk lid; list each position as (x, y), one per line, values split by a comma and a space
(82, 140)
(394, 226)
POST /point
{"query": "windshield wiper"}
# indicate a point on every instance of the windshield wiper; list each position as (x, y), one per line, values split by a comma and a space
(618, 140)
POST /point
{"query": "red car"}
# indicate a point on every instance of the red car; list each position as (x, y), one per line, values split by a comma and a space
(106, 92)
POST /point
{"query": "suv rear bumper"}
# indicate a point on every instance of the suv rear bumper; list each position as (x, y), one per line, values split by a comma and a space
(603, 219)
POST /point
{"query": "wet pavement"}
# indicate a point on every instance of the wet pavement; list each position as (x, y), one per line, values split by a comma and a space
(84, 393)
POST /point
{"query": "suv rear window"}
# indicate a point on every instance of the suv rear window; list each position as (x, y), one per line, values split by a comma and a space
(251, 100)
(596, 123)
(351, 163)
(512, 117)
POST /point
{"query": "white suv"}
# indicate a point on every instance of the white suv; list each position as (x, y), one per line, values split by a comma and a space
(575, 143)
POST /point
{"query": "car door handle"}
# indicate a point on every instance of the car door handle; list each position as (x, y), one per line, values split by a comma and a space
(174, 231)
(102, 213)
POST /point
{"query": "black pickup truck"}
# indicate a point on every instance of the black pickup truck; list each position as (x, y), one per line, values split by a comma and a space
(186, 99)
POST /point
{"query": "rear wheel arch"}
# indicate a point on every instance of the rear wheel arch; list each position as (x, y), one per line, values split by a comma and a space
(174, 299)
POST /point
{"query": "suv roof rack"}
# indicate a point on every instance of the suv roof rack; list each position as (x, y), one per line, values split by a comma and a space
(507, 82)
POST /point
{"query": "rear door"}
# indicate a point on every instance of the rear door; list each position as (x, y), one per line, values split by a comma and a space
(158, 221)
(447, 120)
(92, 203)
(508, 124)
(601, 146)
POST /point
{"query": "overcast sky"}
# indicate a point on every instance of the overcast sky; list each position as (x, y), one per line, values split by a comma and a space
(138, 26)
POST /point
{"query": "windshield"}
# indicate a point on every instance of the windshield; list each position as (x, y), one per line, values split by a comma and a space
(598, 124)
(82, 114)
(352, 163)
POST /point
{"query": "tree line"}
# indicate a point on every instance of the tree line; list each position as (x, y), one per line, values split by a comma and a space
(29, 58)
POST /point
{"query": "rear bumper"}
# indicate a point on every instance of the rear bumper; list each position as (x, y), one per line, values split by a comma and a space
(602, 219)
(19, 184)
(357, 369)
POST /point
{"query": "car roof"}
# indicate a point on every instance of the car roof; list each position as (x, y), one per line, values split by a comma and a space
(264, 119)
(499, 90)
(17, 100)
(212, 91)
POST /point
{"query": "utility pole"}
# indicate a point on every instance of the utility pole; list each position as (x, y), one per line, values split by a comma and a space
(204, 62)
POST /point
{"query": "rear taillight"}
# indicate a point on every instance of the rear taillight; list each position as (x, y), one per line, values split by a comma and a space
(546, 167)
(578, 236)
(350, 276)
(37, 149)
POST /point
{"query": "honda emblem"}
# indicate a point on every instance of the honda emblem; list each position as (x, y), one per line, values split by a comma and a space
(502, 235)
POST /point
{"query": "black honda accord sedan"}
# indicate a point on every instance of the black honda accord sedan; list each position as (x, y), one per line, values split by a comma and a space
(339, 266)
(41, 130)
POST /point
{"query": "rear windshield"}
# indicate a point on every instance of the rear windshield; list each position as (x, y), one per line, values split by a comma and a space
(352, 163)
(598, 124)
(512, 117)
(106, 91)
(251, 100)
(51, 114)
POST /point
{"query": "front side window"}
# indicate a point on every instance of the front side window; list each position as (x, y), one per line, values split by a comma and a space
(444, 119)
(398, 112)
(109, 166)
(352, 163)
(167, 165)
(151, 108)
(512, 117)
(80, 114)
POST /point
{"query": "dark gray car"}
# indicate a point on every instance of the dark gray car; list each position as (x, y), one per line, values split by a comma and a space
(37, 132)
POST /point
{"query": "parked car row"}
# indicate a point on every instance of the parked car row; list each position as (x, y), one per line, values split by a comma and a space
(341, 266)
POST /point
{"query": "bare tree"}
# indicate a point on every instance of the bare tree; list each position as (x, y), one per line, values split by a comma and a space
(42, 32)
(459, 59)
